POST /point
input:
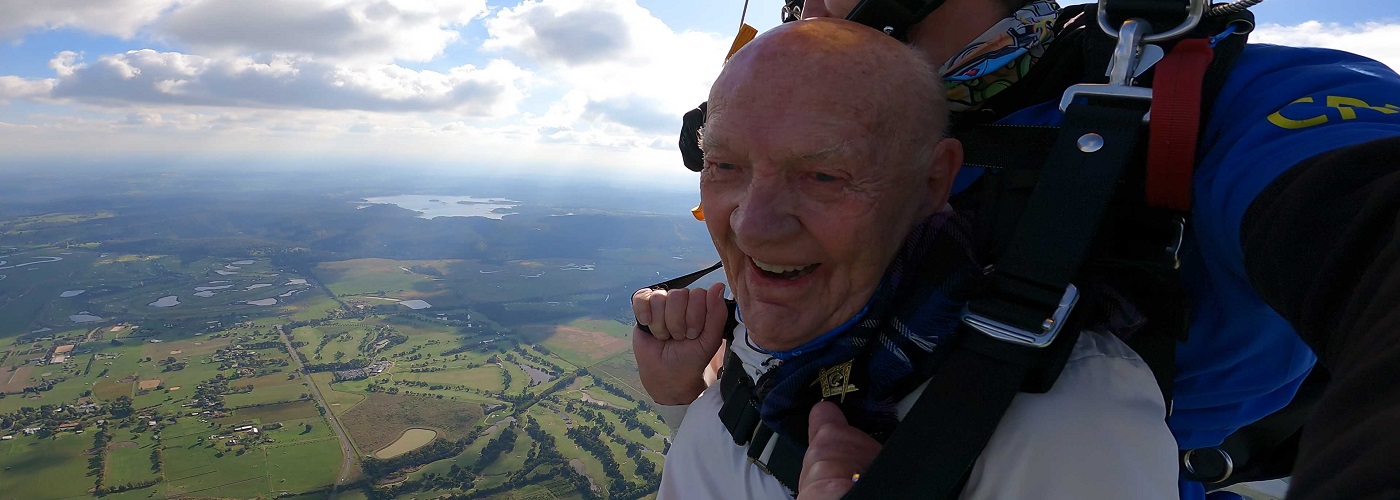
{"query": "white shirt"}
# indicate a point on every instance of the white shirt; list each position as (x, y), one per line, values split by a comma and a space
(1098, 433)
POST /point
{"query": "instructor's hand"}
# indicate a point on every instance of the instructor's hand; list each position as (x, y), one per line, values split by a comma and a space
(687, 327)
(835, 452)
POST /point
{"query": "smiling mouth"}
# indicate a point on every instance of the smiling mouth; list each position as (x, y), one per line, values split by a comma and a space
(777, 271)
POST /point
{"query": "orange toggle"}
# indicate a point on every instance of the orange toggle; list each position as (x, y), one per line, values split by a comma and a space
(698, 212)
(746, 35)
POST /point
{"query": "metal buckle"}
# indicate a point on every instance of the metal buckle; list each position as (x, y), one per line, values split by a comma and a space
(1225, 457)
(1127, 56)
(792, 10)
(1007, 333)
(1174, 251)
(1133, 55)
(1195, 11)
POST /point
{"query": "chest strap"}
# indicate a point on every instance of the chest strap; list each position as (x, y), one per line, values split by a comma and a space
(774, 454)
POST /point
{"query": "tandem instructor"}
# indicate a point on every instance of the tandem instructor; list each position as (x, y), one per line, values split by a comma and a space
(825, 191)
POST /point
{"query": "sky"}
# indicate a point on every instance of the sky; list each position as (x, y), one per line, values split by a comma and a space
(504, 87)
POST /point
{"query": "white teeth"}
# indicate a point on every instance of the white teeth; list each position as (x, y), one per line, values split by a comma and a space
(774, 268)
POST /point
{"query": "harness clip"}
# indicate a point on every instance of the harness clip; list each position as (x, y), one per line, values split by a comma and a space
(1038, 339)
(1127, 57)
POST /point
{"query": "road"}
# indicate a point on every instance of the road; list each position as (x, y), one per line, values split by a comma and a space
(346, 449)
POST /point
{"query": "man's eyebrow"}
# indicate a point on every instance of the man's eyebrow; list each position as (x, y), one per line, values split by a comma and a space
(841, 149)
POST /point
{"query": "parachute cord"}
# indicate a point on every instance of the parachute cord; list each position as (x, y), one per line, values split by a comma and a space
(743, 17)
(1231, 8)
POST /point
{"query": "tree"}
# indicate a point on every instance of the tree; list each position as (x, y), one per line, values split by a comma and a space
(121, 408)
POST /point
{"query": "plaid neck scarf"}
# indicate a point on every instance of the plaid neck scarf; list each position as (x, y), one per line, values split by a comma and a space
(1000, 57)
(888, 350)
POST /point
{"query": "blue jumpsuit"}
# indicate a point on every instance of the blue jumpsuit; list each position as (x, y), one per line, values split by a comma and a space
(1278, 107)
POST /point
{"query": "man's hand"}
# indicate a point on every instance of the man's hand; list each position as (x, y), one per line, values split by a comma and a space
(835, 453)
(687, 327)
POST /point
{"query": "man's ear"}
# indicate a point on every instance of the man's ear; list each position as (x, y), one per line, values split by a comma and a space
(944, 163)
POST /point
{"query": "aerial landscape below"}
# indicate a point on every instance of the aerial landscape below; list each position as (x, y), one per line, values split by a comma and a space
(198, 335)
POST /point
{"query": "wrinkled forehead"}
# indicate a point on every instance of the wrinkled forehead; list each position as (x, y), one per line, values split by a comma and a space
(805, 124)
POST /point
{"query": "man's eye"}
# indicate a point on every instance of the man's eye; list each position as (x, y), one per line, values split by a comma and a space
(820, 177)
(720, 165)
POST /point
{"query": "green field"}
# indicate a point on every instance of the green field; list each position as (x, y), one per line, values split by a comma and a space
(129, 462)
(272, 413)
(303, 466)
(312, 306)
(583, 342)
(57, 467)
(369, 277)
(340, 402)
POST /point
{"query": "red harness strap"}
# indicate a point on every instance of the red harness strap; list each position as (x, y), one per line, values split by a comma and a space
(1176, 123)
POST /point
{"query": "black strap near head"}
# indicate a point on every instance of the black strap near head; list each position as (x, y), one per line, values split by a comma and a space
(893, 17)
(691, 125)
(965, 400)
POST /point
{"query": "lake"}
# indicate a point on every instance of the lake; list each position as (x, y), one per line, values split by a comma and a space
(71, 293)
(167, 301)
(416, 304)
(84, 318)
(434, 206)
(537, 376)
(263, 302)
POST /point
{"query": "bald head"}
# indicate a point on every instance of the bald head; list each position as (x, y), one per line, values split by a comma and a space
(848, 70)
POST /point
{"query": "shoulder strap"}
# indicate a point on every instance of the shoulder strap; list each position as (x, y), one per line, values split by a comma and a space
(775, 454)
(1010, 343)
(1011, 340)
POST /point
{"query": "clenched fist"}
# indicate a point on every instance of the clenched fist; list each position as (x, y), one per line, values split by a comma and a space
(687, 328)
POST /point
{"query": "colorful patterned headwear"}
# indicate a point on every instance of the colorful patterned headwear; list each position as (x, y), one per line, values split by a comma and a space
(1000, 57)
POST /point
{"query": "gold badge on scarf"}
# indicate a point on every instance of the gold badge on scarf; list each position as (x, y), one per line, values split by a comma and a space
(836, 381)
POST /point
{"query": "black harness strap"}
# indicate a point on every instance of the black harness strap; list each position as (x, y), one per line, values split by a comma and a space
(1012, 346)
(893, 17)
(741, 418)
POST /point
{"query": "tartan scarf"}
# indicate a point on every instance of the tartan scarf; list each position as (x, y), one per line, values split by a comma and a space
(1000, 57)
(891, 347)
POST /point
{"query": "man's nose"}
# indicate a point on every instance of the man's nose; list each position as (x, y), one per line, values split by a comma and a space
(765, 215)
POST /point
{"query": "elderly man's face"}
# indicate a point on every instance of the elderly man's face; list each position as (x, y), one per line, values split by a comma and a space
(806, 205)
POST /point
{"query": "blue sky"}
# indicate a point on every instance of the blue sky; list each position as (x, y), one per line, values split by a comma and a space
(451, 84)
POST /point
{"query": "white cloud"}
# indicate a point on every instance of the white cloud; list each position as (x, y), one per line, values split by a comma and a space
(122, 18)
(595, 83)
(626, 77)
(379, 30)
(13, 87)
(1373, 40)
(146, 77)
(565, 31)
